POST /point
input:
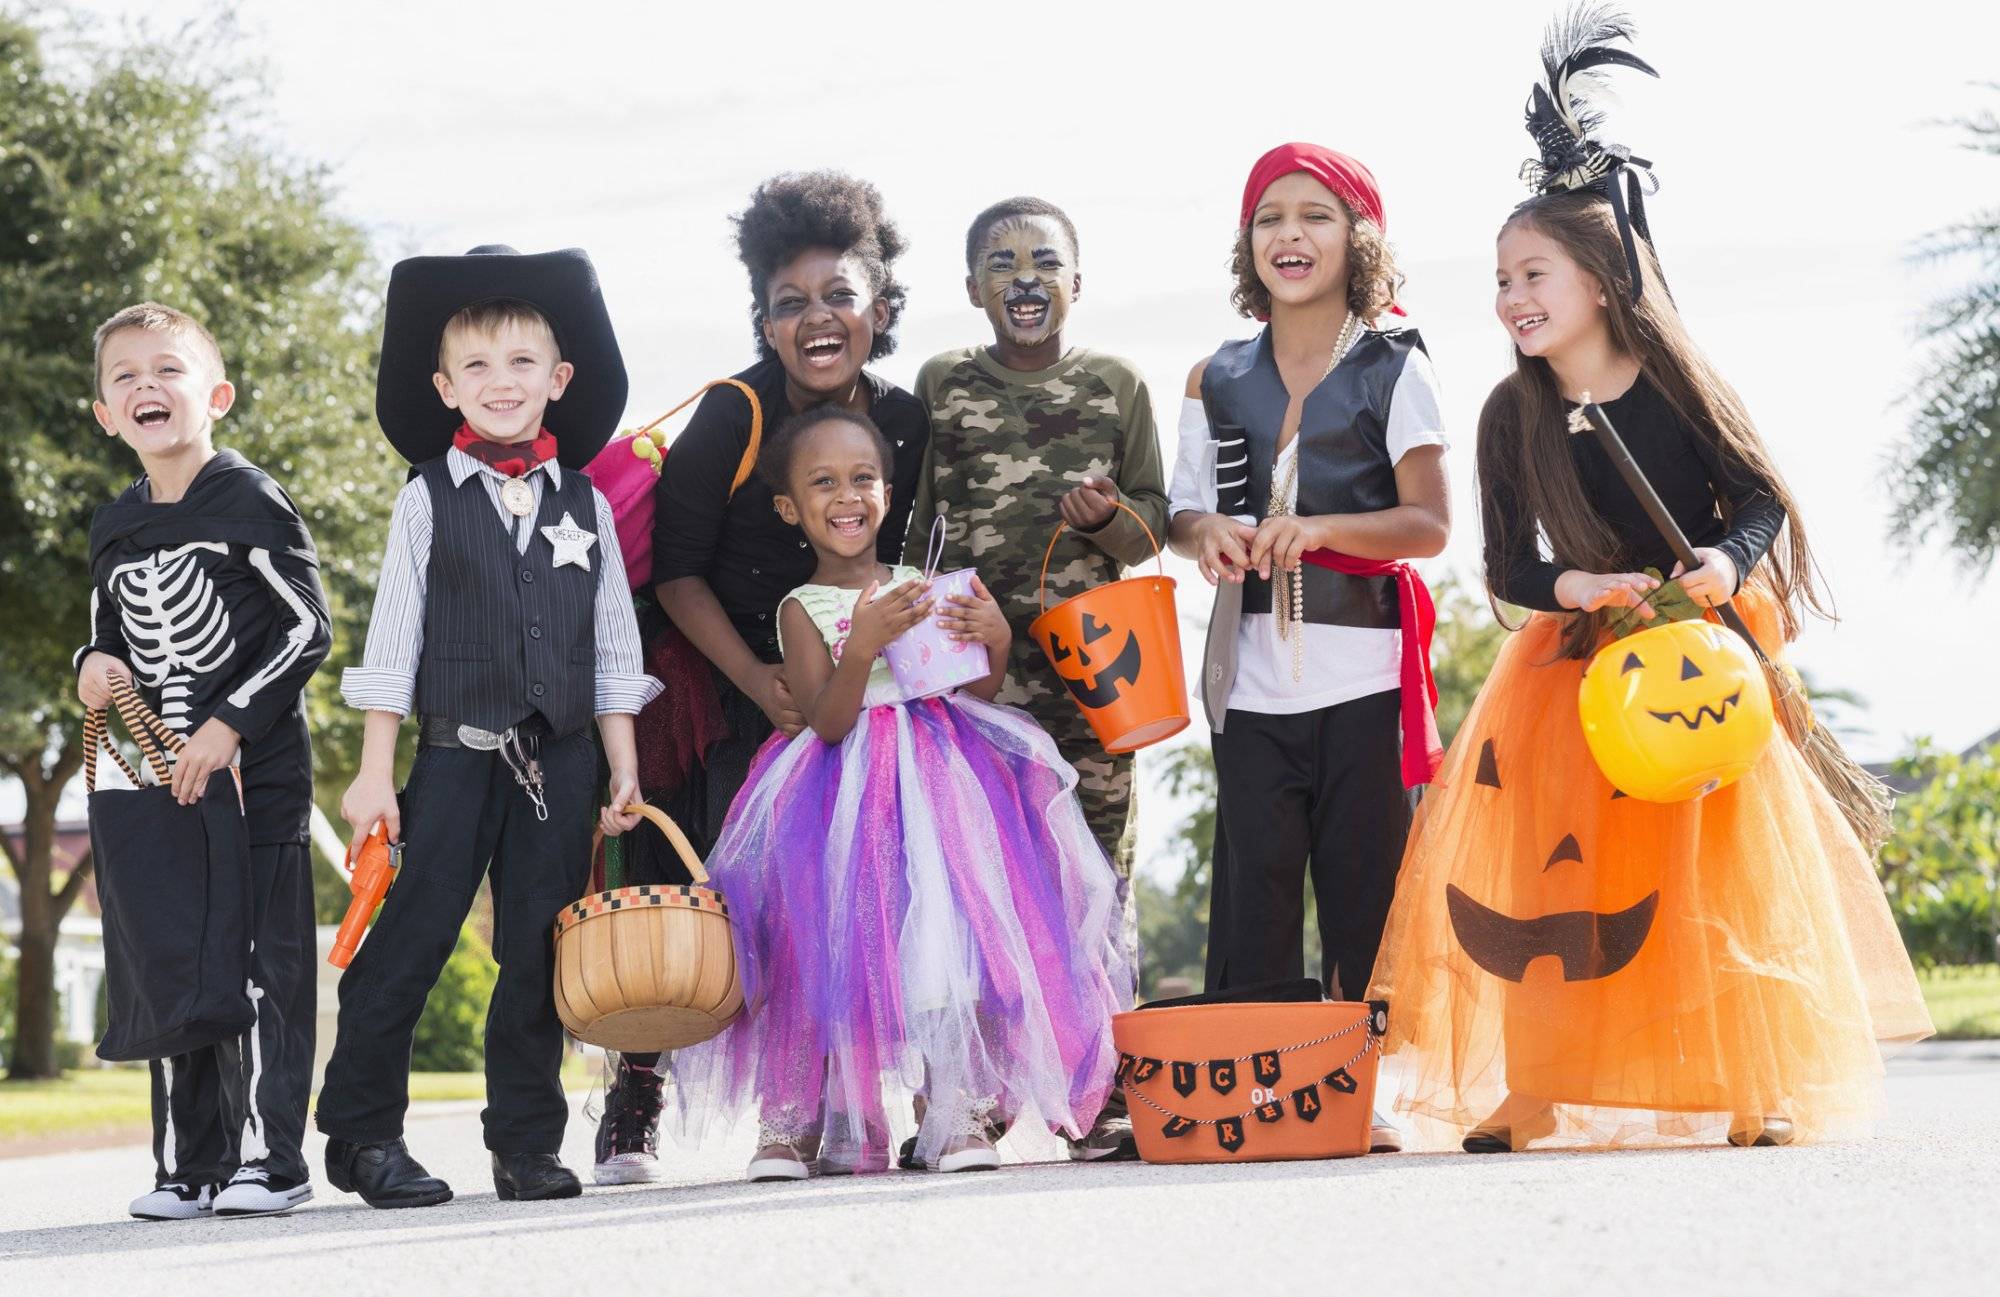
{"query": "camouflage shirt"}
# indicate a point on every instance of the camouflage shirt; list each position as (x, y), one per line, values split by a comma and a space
(1005, 447)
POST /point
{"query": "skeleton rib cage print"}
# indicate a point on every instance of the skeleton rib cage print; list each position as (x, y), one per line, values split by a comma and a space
(175, 623)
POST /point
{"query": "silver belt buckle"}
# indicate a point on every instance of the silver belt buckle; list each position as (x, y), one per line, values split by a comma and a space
(477, 739)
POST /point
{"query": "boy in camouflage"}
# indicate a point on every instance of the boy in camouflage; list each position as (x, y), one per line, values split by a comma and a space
(1025, 432)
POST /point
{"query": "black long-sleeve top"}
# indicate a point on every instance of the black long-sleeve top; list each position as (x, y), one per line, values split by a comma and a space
(1689, 471)
(750, 556)
(214, 603)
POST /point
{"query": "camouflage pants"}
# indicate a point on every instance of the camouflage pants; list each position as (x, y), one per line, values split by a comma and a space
(1104, 787)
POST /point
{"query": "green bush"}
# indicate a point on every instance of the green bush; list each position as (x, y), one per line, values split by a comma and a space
(1941, 865)
(451, 1035)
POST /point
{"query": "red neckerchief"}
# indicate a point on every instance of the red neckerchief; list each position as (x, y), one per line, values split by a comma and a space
(512, 459)
(1423, 753)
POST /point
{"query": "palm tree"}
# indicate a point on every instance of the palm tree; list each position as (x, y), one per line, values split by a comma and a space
(1948, 467)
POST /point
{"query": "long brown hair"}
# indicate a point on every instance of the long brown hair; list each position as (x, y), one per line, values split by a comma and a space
(1524, 452)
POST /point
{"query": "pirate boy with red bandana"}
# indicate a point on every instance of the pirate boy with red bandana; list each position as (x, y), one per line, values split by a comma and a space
(502, 623)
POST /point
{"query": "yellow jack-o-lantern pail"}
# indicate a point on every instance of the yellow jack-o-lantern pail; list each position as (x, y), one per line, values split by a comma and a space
(1675, 711)
(1117, 649)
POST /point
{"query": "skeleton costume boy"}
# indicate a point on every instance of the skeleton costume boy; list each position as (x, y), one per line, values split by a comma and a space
(502, 621)
(214, 602)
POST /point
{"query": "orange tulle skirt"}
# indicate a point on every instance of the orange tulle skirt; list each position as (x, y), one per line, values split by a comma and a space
(1656, 971)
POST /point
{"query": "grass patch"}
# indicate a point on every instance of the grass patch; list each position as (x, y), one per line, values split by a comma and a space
(95, 1101)
(1964, 1000)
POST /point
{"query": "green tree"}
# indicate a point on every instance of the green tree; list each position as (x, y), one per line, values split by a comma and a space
(1948, 468)
(1173, 921)
(1941, 864)
(131, 170)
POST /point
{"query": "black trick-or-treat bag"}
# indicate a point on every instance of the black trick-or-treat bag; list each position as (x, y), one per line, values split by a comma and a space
(174, 883)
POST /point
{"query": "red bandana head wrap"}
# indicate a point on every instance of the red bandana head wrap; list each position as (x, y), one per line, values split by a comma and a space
(511, 458)
(1352, 182)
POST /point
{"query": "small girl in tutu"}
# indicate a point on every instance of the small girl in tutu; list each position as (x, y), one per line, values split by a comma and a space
(917, 901)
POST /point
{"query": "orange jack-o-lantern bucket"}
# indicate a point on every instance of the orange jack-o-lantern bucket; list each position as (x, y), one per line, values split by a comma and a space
(1117, 649)
(1675, 711)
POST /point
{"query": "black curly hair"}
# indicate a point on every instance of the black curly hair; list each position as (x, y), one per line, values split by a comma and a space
(983, 224)
(774, 457)
(791, 213)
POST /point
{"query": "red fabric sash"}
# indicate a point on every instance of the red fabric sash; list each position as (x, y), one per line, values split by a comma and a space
(511, 458)
(1423, 753)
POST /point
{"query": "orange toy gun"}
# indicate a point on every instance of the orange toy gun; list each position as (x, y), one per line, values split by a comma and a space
(369, 877)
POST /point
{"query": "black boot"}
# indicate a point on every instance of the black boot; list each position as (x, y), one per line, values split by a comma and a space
(531, 1177)
(629, 1132)
(385, 1175)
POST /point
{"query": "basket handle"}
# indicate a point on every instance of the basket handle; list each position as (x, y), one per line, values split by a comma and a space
(94, 738)
(934, 552)
(744, 466)
(157, 741)
(1042, 585)
(662, 821)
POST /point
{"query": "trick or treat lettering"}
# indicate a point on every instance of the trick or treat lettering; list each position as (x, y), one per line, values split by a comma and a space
(1096, 672)
(1589, 943)
(1676, 711)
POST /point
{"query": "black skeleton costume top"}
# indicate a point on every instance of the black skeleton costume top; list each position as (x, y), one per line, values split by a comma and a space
(214, 602)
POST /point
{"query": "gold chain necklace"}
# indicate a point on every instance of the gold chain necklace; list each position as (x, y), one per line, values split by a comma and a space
(1288, 589)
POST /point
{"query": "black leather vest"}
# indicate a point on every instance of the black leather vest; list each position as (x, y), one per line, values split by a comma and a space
(506, 634)
(1344, 464)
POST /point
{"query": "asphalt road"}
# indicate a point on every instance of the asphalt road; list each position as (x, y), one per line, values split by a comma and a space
(1912, 1211)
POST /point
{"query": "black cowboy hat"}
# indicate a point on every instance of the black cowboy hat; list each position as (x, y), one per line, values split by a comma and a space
(425, 292)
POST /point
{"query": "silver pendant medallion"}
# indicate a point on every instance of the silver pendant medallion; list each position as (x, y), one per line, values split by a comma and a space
(517, 496)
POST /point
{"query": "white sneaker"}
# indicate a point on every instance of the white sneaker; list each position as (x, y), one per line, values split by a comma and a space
(627, 1168)
(174, 1202)
(1384, 1136)
(975, 1155)
(776, 1162)
(255, 1191)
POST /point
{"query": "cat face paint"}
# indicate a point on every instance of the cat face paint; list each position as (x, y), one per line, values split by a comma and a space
(1025, 278)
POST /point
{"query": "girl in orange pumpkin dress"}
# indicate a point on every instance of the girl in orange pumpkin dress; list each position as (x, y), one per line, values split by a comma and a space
(1567, 964)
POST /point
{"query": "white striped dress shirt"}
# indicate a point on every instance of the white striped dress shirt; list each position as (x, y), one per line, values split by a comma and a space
(386, 680)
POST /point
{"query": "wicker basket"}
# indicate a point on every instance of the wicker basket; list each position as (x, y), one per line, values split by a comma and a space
(640, 969)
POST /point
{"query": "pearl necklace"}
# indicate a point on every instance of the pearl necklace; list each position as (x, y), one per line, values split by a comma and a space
(1288, 589)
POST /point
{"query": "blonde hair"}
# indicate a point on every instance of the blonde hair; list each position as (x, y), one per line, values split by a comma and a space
(158, 318)
(490, 317)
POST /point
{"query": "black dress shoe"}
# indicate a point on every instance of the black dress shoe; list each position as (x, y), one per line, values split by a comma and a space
(531, 1177)
(385, 1175)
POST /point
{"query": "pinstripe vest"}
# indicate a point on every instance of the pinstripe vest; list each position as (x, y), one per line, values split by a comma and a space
(506, 635)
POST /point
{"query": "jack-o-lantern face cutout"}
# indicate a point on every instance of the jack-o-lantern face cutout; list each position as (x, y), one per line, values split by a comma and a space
(1676, 711)
(1589, 944)
(1093, 673)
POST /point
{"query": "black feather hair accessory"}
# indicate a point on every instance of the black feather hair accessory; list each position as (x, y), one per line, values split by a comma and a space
(1566, 112)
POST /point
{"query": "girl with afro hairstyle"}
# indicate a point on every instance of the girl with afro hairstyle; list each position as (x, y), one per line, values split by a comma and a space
(824, 301)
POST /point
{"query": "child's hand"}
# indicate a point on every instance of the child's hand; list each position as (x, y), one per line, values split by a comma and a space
(1589, 591)
(874, 622)
(774, 696)
(1225, 548)
(1279, 541)
(1091, 505)
(1711, 583)
(977, 619)
(624, 793)
(213, 746)
(371, 798)
(93, 683)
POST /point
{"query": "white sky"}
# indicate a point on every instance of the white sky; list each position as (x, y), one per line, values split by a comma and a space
(1796, 147)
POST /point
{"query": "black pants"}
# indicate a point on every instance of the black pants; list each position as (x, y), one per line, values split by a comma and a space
(463, 817)
(244, 1100)
(1320, 790)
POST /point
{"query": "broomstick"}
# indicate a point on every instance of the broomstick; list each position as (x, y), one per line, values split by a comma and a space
(1863, 799)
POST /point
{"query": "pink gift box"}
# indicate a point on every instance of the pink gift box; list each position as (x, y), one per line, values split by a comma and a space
(925, 660)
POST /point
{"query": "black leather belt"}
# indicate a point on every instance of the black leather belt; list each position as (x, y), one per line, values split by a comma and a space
(443, 732)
